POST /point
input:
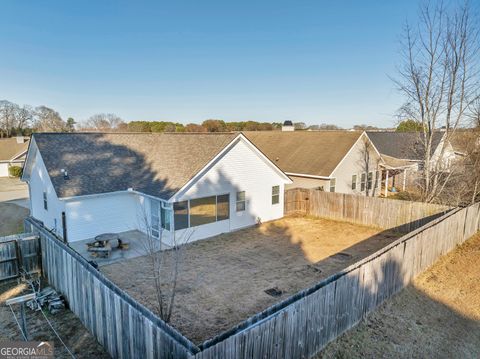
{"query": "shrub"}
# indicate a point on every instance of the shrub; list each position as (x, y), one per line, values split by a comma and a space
(15, 171)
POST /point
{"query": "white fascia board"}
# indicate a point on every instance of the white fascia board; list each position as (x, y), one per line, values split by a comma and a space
(107, 194)
(307, 176)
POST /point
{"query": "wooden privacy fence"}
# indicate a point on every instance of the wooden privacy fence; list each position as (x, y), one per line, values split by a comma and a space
(19, 252)
(302, 325)
(124, 327)
(404, 216)
(298, 327)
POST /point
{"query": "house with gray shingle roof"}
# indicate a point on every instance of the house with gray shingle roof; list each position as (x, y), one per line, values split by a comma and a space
(85, 184)
(403, 155)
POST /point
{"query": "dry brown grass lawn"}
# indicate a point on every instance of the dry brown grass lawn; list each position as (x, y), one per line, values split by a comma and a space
(223, 279)
(438, 316)
(11, 218)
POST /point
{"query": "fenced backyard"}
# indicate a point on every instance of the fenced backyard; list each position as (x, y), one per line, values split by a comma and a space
(297, 326)
(402, 216)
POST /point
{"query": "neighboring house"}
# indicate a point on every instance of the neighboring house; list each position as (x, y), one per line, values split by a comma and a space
(334, 161)
(85, 184)
(12, 153)
(403, 155)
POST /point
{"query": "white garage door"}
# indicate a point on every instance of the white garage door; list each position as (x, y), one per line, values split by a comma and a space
(3, 169)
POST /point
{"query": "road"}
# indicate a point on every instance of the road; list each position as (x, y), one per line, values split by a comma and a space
(14, 191)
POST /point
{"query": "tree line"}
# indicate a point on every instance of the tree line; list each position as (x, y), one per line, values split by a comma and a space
(24, 119)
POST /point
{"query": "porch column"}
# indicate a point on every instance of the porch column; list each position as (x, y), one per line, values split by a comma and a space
(386, 184)
(404, 178)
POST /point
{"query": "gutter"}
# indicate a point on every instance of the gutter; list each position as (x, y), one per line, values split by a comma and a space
(307, 176)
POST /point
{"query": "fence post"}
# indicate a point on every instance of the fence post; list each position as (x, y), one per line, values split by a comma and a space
(18, 253)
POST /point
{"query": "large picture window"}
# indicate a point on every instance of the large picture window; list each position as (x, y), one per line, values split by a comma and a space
(165, 217)
(180, 213)
(223, 207)
(203, 211)
(154, 218)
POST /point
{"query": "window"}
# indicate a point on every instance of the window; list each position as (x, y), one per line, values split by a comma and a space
(165, 217)
(240, 201)
(369, 180)
(203, 210)
(377, 178)
(45, 203)
(180, 214)
(354, 182)
(223, 207)
(275, 194)
(362, 182)
(333, 181)
(154, 218)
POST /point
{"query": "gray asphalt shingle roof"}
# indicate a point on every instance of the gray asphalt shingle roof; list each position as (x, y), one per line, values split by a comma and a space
(155, 164)
(402, 145)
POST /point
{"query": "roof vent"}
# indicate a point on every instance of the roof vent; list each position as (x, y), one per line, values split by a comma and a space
(65, 174)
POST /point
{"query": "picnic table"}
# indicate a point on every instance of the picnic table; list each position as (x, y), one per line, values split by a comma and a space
(101, 246)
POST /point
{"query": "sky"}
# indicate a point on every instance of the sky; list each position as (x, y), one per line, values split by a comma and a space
(187, 61)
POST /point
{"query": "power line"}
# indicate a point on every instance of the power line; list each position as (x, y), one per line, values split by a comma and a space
(51, 326)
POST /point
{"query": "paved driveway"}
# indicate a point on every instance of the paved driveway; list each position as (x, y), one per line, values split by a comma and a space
(13, 190)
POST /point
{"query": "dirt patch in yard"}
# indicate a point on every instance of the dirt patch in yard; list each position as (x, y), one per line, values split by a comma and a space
(223, 280)
(438, 316)
(11, 218)
(69, 327)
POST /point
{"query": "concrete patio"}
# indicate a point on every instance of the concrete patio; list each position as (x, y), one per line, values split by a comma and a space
(138, 243)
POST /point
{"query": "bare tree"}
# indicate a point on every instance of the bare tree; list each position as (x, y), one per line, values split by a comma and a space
(48, 120)
(104, 122)
(165, 254)
(24, 117)
(369, 167)
(439, 79)
(7, 117)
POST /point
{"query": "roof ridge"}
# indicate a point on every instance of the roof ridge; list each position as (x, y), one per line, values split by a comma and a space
(135, 133)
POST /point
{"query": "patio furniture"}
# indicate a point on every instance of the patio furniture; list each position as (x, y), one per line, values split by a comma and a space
(122, 244)
(101, 251)
(101, 247)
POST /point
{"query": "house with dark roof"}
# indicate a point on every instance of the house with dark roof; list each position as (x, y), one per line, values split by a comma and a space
(335, 161)
(85, 184)
(403, 155)
(12, 153)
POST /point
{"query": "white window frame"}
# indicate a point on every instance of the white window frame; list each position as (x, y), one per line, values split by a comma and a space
(363, 181)
(370, 181)
(244, 201)
(276, 195)
(334, 184)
